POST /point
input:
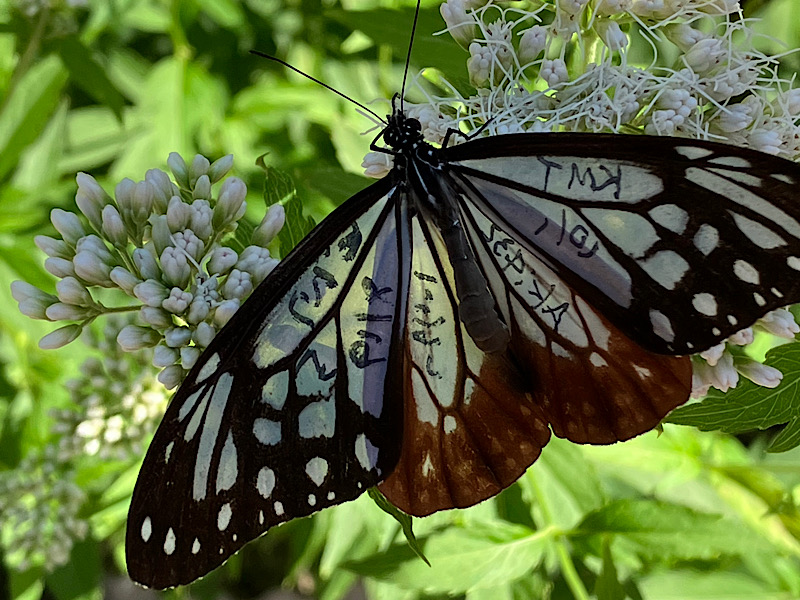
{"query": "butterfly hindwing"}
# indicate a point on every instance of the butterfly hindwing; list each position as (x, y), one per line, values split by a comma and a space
(464, 409)
(295, 405)
(674, 240)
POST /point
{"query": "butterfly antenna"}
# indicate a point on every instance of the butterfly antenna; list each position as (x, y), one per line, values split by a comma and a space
(408, 56)
(315, 80)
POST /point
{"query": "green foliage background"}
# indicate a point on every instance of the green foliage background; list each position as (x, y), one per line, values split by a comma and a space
(113, 87)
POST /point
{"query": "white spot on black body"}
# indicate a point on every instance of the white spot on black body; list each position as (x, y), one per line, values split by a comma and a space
(147, 529)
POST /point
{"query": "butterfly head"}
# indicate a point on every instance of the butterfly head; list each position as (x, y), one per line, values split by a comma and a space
(402, 133)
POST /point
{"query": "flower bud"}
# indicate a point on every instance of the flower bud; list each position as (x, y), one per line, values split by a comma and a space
(151, 293)
(91, 199)
(238, 284)
(92, 269)
(219, 168)
(231, 200)
(171, 377)
(132, 338)
(72, 291)
(179, 170)
(162, 236)
(198, 310)
(52, 247)
(68, 225)
(460, 25)
(113, 226)
(531, 44)
(164, 356)
(203, 334)
(178, 214)
(177, 302)
(202, 189)
(124, 279)
(162, 189)
(177, 336)
(59, 267)
(270, 225)
(189, 356)
(200, 165)
(222, 260)
(762, 375)
(611, 34)
(68, 312)
(225, 311)
(175, 265)
(158, 318)
(60, 337)
(33, 302)
(146, 263)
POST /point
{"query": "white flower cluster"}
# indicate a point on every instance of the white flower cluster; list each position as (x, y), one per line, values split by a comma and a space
(164, 245)
(40, 505)
(562, 65)
(116, 404)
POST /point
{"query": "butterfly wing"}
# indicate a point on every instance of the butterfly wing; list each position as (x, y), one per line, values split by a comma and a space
(475, 421)
(679, 243)
(295, 406)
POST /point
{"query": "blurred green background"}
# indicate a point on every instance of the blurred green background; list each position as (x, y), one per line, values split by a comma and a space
(111, 88)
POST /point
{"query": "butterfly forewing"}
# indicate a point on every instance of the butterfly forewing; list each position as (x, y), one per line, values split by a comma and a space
(679, 243)
(295, 406)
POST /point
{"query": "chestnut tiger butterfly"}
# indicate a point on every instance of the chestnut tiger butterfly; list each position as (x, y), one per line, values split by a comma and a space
(429, 334)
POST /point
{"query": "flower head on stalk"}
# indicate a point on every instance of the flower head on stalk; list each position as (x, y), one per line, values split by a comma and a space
(167, 247)
(563, 65)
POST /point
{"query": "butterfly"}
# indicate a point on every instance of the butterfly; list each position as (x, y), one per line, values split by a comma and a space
(430, 333)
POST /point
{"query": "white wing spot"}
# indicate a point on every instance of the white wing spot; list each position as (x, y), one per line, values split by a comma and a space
(366, 453)
(666, 268)
(278, 509)
(746, 272)
(208, 369)
(168, 452)
(317, 470)
(670, 216)
(469, 389)
(331, 495)
(757, 233)
(715, 331)
(793, 262)
(739, 177)
(147, 529)
(597, 360)
(450, 424)
(228, 468)
(234, 537)
(195, 546)
(643, 372)
(318, 419)
(777, 292)
(706, 239)
(783, 178)
(732, 320)
(267, 432)
(693, 152)
(169, 542)
(312, 499)
(261, 517)
(560, 351)
(705, 304)
(208, 438)
(427, 466)
(759, 299)
(265, 481)
(662, 326)
(426, 409)
(275, 390)
(731, 161)
(188, 405)
(224, 516)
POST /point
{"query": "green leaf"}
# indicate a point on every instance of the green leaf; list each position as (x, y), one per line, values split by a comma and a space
(788, 438)
(28, 109)
(89, 74)
(279, 187)
(336, 184)
(393, 27)
(607, 586)
(667, 532)
(749, 406)
(405, 521)
(79, 579)
(483, 556)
